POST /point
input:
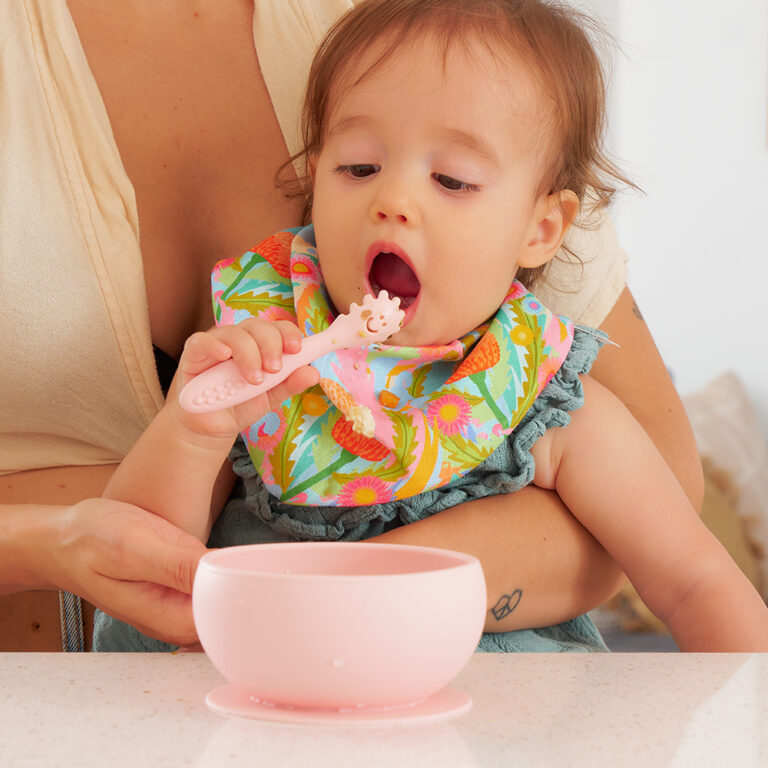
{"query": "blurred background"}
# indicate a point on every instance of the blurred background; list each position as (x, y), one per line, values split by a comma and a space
(689, 124)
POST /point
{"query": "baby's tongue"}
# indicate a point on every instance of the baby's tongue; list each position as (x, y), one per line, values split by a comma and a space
(391, 273)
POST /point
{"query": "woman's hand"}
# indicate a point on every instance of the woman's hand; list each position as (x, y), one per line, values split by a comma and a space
(130, 563)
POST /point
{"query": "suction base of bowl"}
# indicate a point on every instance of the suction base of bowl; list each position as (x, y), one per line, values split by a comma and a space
(445, 704)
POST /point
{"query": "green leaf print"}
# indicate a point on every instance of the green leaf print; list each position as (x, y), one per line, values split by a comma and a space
(405, 438)
(532, 362)
(282, 464)
(419, 376)
(256, 303)
(464, 453)
(238, 270)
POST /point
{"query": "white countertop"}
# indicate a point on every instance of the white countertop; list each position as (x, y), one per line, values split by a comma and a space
(113, 710)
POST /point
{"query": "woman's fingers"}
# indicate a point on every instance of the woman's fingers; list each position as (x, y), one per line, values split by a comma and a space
(154, 550)
(133, 565)
(158, 612)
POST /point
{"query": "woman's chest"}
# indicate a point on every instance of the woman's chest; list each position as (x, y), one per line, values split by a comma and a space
(198, 138)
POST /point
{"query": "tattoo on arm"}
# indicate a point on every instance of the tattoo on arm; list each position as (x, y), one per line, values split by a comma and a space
(506, 604)
(636, 310)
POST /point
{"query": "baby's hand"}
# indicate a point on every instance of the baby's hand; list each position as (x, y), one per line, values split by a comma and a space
(257, 347)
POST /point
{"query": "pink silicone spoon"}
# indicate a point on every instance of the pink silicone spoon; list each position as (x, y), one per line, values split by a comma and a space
(222, 386)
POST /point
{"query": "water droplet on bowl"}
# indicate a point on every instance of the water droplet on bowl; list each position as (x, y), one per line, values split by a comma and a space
(338, 663)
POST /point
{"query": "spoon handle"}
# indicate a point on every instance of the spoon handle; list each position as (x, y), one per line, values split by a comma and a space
(223, 386)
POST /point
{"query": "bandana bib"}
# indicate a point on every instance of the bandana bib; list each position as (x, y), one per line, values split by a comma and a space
(385, 422)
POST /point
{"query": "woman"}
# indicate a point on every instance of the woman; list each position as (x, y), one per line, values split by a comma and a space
(141, 149)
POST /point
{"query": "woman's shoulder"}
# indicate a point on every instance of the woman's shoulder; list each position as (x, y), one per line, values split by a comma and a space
(585, 287)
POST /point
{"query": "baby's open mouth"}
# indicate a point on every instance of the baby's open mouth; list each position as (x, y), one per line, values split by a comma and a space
(390, 273)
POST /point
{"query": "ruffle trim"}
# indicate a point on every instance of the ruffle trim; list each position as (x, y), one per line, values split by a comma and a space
(562, 395)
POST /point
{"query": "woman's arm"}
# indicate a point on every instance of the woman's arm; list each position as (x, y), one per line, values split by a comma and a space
(636, 374)
(541, 566)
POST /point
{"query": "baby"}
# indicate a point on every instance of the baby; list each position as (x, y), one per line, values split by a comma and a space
(450, 146)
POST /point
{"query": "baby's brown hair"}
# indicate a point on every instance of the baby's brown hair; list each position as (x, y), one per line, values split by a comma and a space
(553, 39)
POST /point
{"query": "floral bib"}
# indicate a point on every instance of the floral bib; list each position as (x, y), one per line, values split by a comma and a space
(436, 412)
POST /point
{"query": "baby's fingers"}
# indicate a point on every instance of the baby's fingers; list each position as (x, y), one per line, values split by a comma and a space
(291, 336)
(263, 345)
(201, 351)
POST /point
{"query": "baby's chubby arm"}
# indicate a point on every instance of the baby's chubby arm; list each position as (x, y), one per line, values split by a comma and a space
(182, 456)
(612, 478)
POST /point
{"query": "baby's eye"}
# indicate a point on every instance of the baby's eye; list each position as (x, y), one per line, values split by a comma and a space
(359, 171)
(454, 185)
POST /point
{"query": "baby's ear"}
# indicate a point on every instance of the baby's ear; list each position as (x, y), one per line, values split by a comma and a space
(552, 216)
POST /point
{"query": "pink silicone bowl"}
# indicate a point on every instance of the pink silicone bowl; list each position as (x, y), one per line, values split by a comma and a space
(339, 625)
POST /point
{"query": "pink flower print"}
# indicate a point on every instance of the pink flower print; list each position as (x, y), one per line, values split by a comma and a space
(270, 432)
(273, 313)
(363, 491)
(450, 414)
(303, 268)
(547, 370)
(532, 306)
(517, 291)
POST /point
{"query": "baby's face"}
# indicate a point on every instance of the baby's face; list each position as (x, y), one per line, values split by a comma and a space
(426, 186)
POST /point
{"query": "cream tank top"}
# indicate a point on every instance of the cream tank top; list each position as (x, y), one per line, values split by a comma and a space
(78, 383)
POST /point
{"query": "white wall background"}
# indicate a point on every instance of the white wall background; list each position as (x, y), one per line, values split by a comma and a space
(689, 123)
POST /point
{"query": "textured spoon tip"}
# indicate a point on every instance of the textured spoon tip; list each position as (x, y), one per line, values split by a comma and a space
(391, 306)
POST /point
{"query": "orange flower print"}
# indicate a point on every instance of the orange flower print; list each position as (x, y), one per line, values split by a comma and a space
(485, 355)
(366, 447)
(337, 395)
(313, 404)
(277, 251)
(363, 491)
(449, 413)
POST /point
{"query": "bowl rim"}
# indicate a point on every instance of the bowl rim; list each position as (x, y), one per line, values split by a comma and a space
(463, 560)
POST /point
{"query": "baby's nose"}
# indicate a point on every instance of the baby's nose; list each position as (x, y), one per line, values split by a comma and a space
(401, 217)
(394, 207)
